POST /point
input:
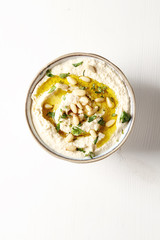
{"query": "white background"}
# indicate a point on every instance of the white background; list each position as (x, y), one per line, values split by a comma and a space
(44, 198)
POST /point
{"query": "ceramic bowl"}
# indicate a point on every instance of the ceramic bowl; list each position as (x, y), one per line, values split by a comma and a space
(40, 76)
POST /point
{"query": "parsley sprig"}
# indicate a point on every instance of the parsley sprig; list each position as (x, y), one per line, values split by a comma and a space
(101, 122)
(58, 127)
(51, 114)
(81, 150)
(52, 89)
(125, 117)
(82, 87)
(90, 154)
(77, 64)
(64, 75)
(49, 74)
(95, 141)
(101, 89)
(92, 118)
(76, 131)
(64, 116)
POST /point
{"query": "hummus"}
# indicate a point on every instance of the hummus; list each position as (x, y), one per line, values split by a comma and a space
(81, 108)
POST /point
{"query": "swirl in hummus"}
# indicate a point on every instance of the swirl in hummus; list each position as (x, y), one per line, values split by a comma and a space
(81, 108)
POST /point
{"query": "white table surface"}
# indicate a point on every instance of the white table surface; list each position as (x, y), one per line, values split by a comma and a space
(44, 198)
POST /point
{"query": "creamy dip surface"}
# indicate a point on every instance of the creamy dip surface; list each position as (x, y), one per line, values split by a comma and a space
(81, 108)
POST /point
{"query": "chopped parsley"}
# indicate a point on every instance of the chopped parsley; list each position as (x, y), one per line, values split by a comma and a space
(84, 72)
(101, 89)
(114, 115)
(95, 141)
(49, 74)
(92, 118)
(82, 87)
(51, 114)
(64, 75)
(85, 115)
(76, 131)
(52, 89)
(58, 127)
(122, 131)
(93, 86)
(64, 115)
(90, 154)
(125, 117)
(81, 150)
(101, 122)
(79, 125)
(64, 97)
(77, 64)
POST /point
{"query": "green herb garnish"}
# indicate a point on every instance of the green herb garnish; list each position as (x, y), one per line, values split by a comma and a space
(93, 86)
(64, 75)
(84, 72)
(76, 131)
(122, 131)
(64, 115)
(77, 64)
(85, 115)
(100, 89)
(79, 125)
(82, 87)
(101, 122)
(125, 117)
(49, 74)
(51, 114)
(114, 115)
(52, 89)
(95, 141)
(90, 154)
(58, 127)
(92, 118)
(61, 109)
(81, 150)
(64, 97)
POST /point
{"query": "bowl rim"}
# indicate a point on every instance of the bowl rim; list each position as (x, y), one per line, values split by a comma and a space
(129, 88)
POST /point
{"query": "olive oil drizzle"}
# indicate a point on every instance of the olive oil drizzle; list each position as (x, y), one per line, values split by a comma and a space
(94, 89)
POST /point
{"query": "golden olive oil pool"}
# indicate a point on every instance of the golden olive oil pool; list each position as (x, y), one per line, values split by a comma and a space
(94, 90)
